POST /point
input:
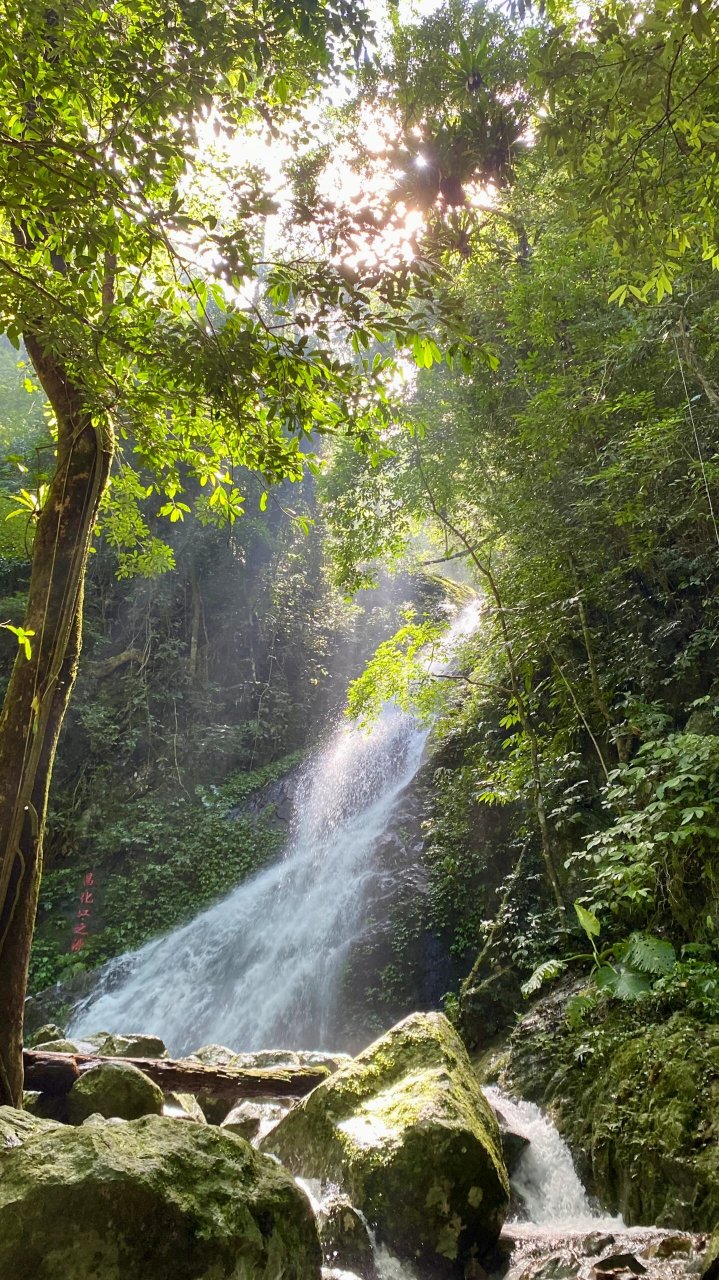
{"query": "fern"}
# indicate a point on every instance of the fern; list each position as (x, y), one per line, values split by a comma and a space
(544, 973)
(648, 954)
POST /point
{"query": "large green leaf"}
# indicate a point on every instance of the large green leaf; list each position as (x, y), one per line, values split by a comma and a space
(649, 954)
(588, 921)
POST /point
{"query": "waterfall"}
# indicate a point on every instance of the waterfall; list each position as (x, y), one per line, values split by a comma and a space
(545, 1178)
(264, 966)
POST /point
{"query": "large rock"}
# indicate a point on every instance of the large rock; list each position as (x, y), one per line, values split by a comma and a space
(130, 1046)
(345, 1238)
(636, 1101)
(151, 1200)
(114, 1089)
(17, 1126)
(407, 1132)
(50, 1031)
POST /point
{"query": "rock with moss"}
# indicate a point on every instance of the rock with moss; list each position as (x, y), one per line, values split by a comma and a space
(636, 1100)
(17, 1126)
(50, 1031)
(114, 1089)
(212, 1055)
(345, 1238)
(408, 1134)
(63, 1046)
(154, 1200)
(129, 1046)
(183, 1106)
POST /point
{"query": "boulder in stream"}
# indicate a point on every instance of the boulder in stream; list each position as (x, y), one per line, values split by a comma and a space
(406, 1131)
(151, 1200)
(114, 1089)
(345, 1238)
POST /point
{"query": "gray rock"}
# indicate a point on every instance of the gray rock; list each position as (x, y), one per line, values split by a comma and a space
(212, 1055)
(114, 1089)
(130, 1046)
(407, 1133)
(596, 1242)
(256, 1116)
(151, 1200)
(345, 1238)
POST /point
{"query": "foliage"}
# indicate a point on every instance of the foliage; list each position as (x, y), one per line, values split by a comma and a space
(629, 94)
(399, 672)
(657, 855)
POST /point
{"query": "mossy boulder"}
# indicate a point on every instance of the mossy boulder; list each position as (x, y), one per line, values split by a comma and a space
(406, 1131)
(154, 1200)
(17, 1126)
(637, 1102)
(114, 1089)
(50, 1031)
(130, 1046)
(62, 1046)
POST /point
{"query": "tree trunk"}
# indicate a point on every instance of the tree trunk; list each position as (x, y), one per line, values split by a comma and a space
(39, 688)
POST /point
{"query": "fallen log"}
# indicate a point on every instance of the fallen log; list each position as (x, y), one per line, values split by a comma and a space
(56, 1073)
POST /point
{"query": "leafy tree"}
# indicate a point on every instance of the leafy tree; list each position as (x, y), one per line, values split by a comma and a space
(629, 93)
(133, 296)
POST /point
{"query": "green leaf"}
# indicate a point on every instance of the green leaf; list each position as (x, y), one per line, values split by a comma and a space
(543, 973)
(588, 921)
(649, 954)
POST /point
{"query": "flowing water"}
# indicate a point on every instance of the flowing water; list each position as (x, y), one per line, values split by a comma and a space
(264, 966)
(545, 1179)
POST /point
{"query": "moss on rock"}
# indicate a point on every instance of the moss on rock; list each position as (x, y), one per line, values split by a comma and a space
(154, 1200)
(114, 1089)
(17, 1126)
(637, 1101)
(406, 1130)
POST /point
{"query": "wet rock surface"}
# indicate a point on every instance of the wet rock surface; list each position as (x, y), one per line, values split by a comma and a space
(407, 1133)
(345, 1238)
(254, 1118)
(545, 1254)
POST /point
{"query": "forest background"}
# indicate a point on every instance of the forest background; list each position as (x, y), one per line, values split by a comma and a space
(542, 244)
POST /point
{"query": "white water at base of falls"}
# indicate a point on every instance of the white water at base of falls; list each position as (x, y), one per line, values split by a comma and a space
(545, 1178)
(264, 966)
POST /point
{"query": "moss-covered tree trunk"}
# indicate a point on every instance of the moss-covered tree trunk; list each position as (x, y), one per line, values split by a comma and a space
(39, 689)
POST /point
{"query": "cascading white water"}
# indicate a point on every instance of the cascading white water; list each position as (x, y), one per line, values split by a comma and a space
(545, 1178)
(264, 966)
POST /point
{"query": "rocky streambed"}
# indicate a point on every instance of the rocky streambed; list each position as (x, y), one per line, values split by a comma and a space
(395, 1166)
